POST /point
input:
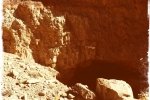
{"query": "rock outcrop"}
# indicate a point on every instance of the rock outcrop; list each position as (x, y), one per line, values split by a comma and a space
(34, 32)
(105, 30)
(113, 90)
(70, 35)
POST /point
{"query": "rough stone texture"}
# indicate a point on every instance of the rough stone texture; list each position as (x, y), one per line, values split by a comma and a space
(24, 80)
(34, 32)
(105, 30)
(113, 89)
(71, 34)
(83, 91)
(114, 31)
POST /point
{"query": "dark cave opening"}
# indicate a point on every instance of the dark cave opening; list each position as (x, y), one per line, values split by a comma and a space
(87, 75)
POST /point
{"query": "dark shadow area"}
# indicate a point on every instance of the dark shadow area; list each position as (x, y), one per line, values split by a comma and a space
(110, 70)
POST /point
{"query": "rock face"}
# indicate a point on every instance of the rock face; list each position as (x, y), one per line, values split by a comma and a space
(103, 30)
(77, 33)
(113, 89)
(35, 33)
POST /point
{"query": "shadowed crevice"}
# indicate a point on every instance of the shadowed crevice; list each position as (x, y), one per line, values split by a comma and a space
(110, 70)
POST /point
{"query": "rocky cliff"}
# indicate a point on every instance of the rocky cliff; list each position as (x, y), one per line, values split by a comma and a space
(110, 37)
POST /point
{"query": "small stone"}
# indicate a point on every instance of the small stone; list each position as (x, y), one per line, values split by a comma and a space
(11, 74)
(6, 93)
(63, 94)
(17, 83)
(23, 98)
(31, 81)
(70, 96)
(41, 94)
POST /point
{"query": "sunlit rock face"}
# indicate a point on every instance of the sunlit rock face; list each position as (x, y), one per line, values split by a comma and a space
(34, 32)
(80, 35)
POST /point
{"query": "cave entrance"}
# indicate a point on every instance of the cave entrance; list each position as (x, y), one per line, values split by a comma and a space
(87, 75)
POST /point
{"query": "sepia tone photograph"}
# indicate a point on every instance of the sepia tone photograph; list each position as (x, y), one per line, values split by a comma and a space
(75, 50)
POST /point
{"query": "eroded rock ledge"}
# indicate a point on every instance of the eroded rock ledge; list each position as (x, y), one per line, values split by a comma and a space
(75, 36)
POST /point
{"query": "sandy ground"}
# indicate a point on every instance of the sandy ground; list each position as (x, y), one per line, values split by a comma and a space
(24, 80)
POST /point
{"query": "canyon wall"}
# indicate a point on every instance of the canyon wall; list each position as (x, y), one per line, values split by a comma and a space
(122, 25)
(104, 30)
(74, 34)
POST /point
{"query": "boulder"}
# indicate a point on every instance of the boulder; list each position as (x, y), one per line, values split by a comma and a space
(113, 89)
(83, 91)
